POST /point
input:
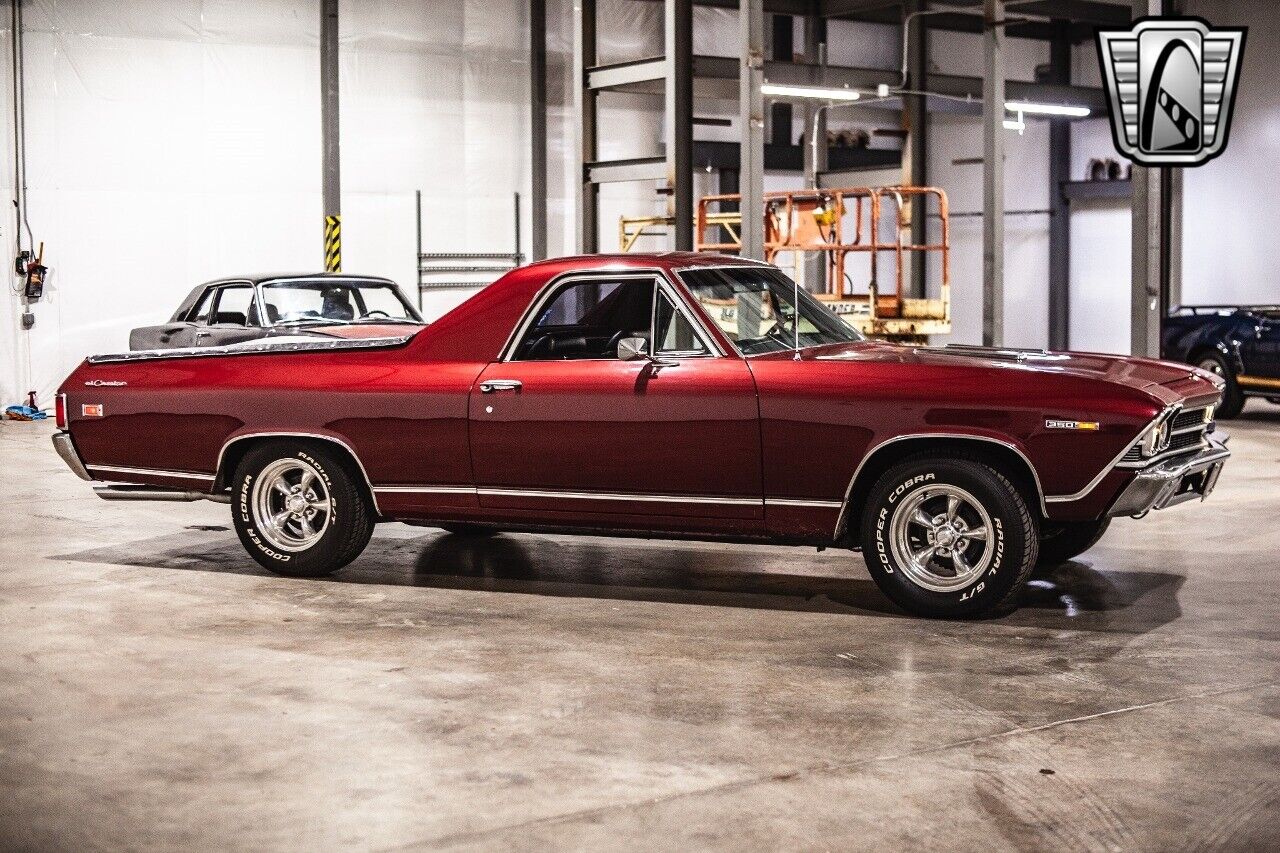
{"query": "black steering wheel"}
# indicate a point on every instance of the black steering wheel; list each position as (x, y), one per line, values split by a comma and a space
(377, 311)
(611, 348)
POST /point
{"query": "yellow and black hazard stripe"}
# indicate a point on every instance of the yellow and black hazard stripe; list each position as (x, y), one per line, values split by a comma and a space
(333, 243)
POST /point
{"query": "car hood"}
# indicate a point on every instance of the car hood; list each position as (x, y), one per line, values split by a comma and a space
(357, 331)
(1130, 371)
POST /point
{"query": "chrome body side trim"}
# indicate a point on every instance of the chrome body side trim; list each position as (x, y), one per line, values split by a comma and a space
(841, 521)
(426, 490)
(609, 496)
(793, 502)
(259, 347)
(364, 473)
(620, 496)
(152, 472)
(67, 450)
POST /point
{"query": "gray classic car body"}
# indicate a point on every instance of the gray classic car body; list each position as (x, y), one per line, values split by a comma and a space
(246, 308)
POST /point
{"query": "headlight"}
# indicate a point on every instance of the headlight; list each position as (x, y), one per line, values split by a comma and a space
(1156, 439)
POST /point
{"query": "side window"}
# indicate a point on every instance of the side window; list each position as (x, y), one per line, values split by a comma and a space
(234, 305)
(586, 319)
(676, 335)
(204, 307)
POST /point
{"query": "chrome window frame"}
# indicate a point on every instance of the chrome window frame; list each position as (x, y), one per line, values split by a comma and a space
(753, 264)
(661, 283)
(255, 302)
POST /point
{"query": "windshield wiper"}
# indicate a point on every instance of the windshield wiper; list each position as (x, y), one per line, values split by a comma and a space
(387, 320)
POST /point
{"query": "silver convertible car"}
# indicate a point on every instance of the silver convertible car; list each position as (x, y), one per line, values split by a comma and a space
(246, 308)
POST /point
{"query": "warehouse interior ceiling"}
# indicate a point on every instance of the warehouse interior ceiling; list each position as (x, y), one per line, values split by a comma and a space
(174, 142)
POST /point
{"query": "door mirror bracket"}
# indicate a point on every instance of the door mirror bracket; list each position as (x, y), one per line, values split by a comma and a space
(637, 349)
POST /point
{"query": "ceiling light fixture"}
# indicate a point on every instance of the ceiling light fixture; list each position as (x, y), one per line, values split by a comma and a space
(815, 92)
(1030, 108)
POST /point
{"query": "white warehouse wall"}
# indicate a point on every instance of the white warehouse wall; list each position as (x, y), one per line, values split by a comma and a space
(172, 141)
(1230, 219)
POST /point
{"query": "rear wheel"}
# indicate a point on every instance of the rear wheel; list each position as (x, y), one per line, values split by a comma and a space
(1062, 540)
(948, 537)
(299, 510)
(1232, 397)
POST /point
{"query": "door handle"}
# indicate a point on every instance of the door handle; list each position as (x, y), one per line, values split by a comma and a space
(489, 386)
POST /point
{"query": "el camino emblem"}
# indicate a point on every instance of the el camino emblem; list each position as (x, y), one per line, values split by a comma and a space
(91, 410)
(106, 383)
(1088, 426)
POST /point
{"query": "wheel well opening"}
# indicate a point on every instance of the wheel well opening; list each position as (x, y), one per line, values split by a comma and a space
(1004, 459)
(235, 452)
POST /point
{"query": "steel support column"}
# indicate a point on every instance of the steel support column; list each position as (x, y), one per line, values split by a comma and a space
(993, 175)
(331, 176)
(751, 122)
(1059, 210)
(1151, 249)
(584, 108)
(537, 129)
(678, 127)
(918, 127)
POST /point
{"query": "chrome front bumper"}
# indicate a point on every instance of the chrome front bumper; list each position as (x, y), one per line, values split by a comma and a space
(1173, 481)
(67, 450)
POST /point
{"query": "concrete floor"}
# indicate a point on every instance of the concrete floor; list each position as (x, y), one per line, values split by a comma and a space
(159, 690)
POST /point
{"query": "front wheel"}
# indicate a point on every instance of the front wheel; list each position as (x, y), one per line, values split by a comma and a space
(948, 537)
(299, 510)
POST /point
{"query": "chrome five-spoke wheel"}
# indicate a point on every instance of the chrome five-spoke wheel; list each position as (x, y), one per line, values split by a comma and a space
(292, 506)
(940, 536)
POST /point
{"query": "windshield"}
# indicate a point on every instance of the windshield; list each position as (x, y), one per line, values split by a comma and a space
(754, 306)
(334, 301)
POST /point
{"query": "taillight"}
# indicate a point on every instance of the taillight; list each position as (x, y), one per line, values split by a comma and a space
(60, 411)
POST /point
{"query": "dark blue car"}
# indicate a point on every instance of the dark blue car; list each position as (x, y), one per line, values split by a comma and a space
(1239, 343)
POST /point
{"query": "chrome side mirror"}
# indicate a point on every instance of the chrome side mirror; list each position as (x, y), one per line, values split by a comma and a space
(633, 349)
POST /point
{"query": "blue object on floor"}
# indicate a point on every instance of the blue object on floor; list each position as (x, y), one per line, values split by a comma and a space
(25, 413)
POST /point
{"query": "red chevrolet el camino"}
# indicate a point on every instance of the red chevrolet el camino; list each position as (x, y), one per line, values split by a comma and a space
(666, 395)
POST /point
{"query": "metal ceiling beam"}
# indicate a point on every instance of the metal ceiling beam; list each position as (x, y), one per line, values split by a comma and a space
(712, 76)
(1084, 15)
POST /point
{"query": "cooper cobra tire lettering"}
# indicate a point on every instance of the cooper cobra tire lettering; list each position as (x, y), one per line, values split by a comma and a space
(350, 520)
(1010, 554)
(246, 487)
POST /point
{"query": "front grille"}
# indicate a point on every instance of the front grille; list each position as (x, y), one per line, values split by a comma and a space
(1185, 441)
(1188, 418)
(1188, 427)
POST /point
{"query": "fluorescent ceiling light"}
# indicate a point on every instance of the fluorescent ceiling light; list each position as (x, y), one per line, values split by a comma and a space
(817, 92)
(1046, 109)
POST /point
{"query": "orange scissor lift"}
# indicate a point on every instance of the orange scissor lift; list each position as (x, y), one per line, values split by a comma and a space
(845, 224)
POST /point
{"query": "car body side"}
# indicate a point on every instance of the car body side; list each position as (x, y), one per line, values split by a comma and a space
(825, 422)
